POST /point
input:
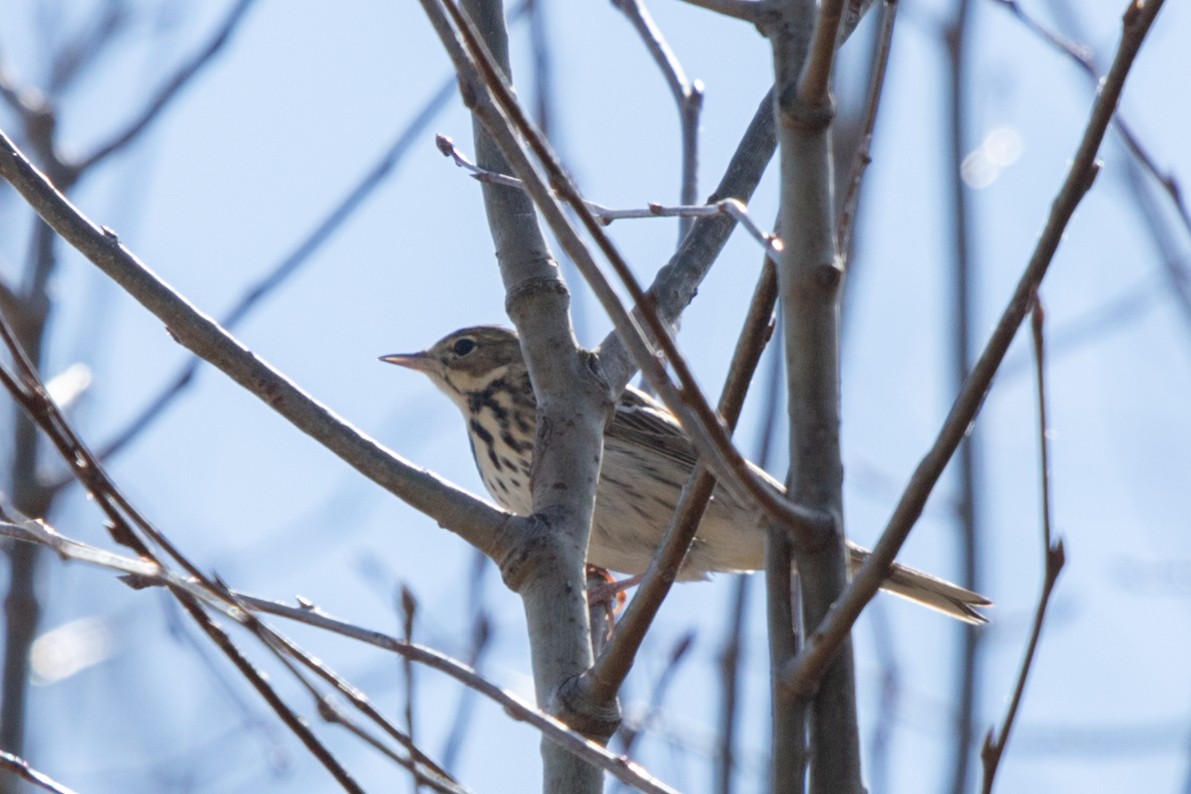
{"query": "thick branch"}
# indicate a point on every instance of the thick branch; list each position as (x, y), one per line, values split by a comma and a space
(810, 279)
(573, 405)
(822, 645)
(492, 97)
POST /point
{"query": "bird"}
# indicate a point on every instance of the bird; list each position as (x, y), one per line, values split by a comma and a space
(647, 459)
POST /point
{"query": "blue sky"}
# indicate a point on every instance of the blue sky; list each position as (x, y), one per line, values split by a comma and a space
(308, 95)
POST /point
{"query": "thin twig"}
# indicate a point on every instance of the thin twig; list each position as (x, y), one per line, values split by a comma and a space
(688, 96)
(1085, 59)
(34, 399)
(890, 693)
(1142, 160)
(260, 682)
(867, 579)
(37, 532)
(551, 728)
(491, 99)
(408, 608)
(629, 734)
(863, 156)
(30, 393)
(287, 267)
(730, 657)
(729, 207)
(676, 283)
(475, 520)
(20, 767)
(168, 92)
(606, 676)
(290, 655)
(481, 641)
(1053, 557)
(332, 713)
(969, 491)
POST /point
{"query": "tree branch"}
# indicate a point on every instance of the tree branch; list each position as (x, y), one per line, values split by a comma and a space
(148, 572)
(20, 767)
(1053, 558)
(300, 255)
(810, 279)
(489, 86)
(455, 509)
(573, 406)
(688, 96)
(804, 670)
(168, 92)
(863, 156)
(603, 681)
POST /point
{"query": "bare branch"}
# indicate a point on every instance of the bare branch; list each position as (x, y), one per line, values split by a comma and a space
(455, 509)
(1053, 557)
(168, 92)
(288, 266)
(138, 534)
(258, 680)
(822, 645)
(604, 680)
(408, 607)
(730, 657)
(332, 713)
(489, 87)
(630, 733)
(860, 163)
(20, 767)
(1085, 59)
(729, 207)
(810, 279)
(688, 96)
(961, 337)
(290, 655)
(676, 283)
(814, 85)
(129, 528)
(26, 530)
(1143, 162)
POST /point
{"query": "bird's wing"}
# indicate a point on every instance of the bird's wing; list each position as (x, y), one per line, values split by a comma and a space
(641, 420)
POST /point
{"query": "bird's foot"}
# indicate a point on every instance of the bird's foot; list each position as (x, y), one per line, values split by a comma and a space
(603, 588)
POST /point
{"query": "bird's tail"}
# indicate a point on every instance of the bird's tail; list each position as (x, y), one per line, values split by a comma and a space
(929, 591)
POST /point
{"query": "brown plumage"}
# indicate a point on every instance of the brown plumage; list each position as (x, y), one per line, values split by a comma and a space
(647, 459)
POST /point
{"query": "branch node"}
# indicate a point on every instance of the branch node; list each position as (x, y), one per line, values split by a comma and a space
(800, 113)
(596, 720)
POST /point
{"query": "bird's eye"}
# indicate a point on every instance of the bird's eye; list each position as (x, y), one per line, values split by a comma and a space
(464, 346)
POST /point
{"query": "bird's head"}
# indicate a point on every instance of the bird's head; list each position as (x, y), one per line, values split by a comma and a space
(467, 361)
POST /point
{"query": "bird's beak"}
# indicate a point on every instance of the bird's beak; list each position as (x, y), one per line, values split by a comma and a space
(419, 361)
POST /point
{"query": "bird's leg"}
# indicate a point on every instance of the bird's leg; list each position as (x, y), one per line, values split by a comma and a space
(604, 588)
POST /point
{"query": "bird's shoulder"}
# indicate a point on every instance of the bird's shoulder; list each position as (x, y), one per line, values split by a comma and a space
(640, 419)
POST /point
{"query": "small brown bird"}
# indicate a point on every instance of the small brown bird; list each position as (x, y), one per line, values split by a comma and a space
(647, 459)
